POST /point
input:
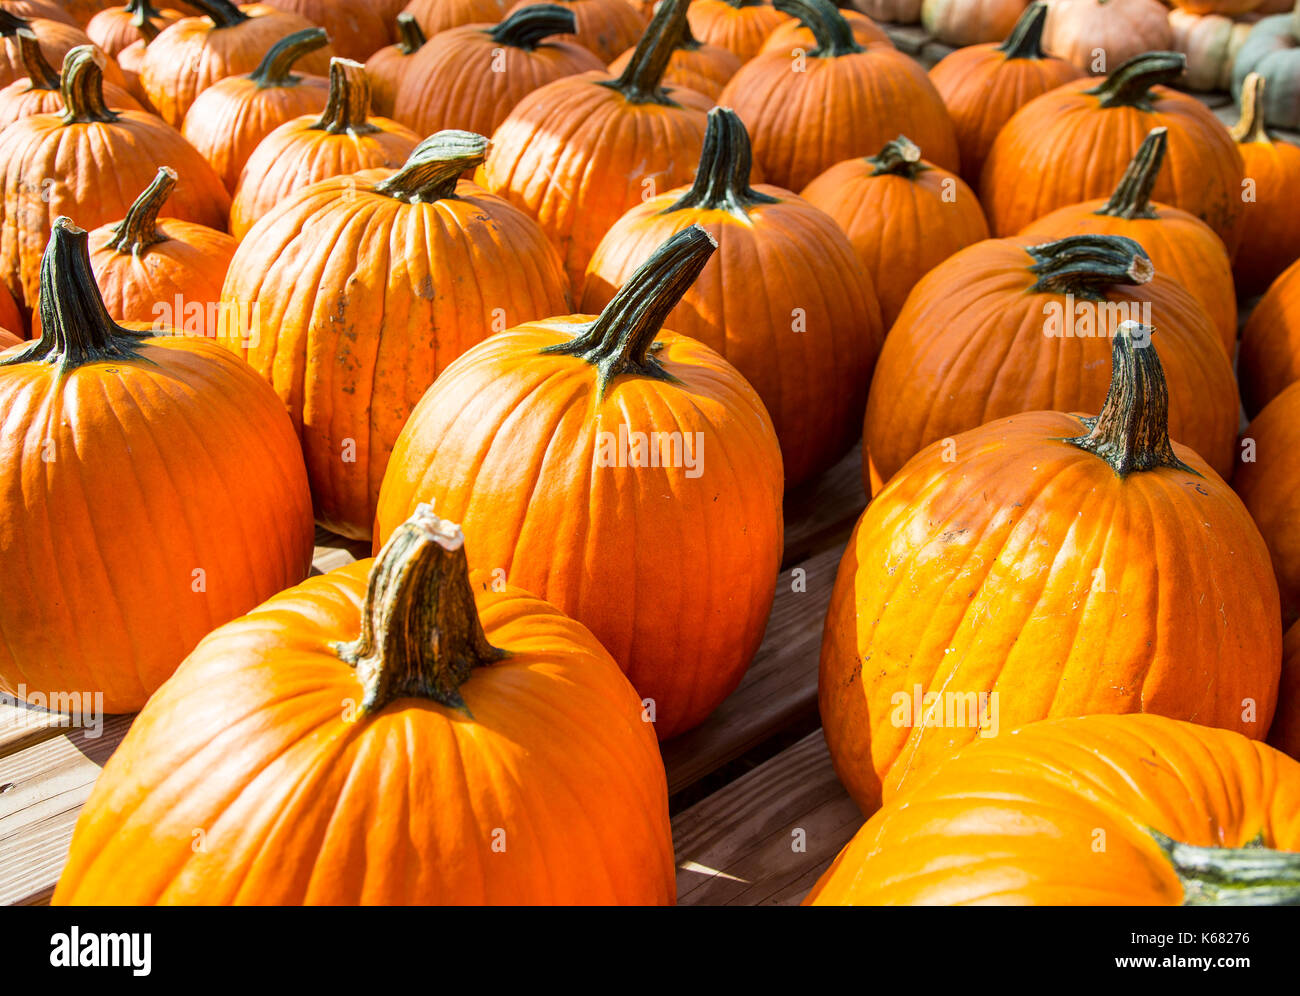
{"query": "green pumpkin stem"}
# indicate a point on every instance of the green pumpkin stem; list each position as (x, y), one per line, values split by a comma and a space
(1130, 85)
(434, 167)
(275, 69)
(76, 328)
(82, 87)
(1026, 38)
(901, 157)
(1250, 126)
(421, 636)
(832, 33)
(1132, 431)
(1132, 196)
(722, 179)
(1085, 265)
(527, 27)
(619, 341)
(40, 73)
(143, 15)
(222, 13)
(139, 229)
(1254, 875)
(641, 81)
(347, 109)
(410, 36)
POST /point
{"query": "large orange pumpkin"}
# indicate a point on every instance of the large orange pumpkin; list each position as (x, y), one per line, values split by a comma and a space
(1179, 244)
(739, 26)
(1035, 165)
(39, 92)
(578, 153)
(605, 28)
(149, 430)
(594, 457)
(357, 28)
(1092, 811)
(807, 112)
(1285, 731)
(439, 15)
(408, 270)
(1047, 565)
(343, 139)
(388, 67)
(1271, 240)
(694, 64)
(1269, 359)
(56, 39)
(114, 28)
(806, 336)
(334, 754)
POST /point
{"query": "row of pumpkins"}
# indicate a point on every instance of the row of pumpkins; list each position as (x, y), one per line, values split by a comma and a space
(537, 615)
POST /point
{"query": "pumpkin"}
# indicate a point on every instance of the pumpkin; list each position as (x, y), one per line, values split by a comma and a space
(694, 64)
(813, 383)
(229, 119)
(1069, 565)
(891, 11)
(149, 429)
(344, 138)
(792, 34)
(510, 698)
(389, 66)
(607, 455)
(351, 353)
(8, 339)
(983, 85)
(56, 40)
(903, 215)
(739, 26)
(804, 122)
(1034, 166)
(1270, 240)
(1285, 732)
(82, 11)
(357, 28)
(11, 319)
(192, 54)
(1272, 49)
(1179, 244)
(128, 60)
(1010, 325)
(114, 28)
(1211, 43)
(579, 152)
(439, 15)
(1269, 358)
(1096, 810)
(1097, 36)
(432, 94)
(53, 164)
(39, 92)
(605, 28)
(970, 22)
(50, 10)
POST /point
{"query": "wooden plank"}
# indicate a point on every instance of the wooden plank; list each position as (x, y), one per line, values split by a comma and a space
(821, 514)
(742, 845)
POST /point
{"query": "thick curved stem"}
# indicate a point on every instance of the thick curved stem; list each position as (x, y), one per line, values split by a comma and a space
(642, 78)
(722, 179)
(832, 33)
(82, 87)
(1250, 126)
(1085, 265)
(40, 73)
(1253, 875)
(1130, 85)
(410, 37)
(1132, 196)
(901, 157)
(348, 107)
(222, 13)
(139, 229)
(1026, 38)
(527, 27)
(434, 167)
(275, 68)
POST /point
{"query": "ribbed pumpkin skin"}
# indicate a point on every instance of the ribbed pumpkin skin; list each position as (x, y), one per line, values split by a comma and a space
(434, 16)
(363, 299)
(1285, 732)
(704, 69)
(299, 806)
(605, 27)
(1270, 239)
(1269, 359)
(1015, 820)
(791, 35)
(56, 40)
(506, 440)
(741, 30)
(980, 575)
(357, 28)
(969, 347)
(1034, 166)
(20, 100)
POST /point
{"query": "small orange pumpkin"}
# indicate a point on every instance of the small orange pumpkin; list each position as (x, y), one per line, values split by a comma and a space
(1269, 359)
(1271, 240)
(388, 67)
(694, 64)
(56, 40)
(39, 92)
(604, 28)
(435, 16)
(739, 26)
(114, 28)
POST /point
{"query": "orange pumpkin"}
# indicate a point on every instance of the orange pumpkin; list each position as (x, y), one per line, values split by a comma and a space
(739, 26)
(56, 40)
(432, 94)
(114, 28)
(50, 10)
(1285, 731)
(805, 120)
(128, 60)
(8, 339)
(813, 382)
(150, 429)
(509, 698)
(356, 28)
(1009, 326)
(11, 319)
(439, 15)
(345, 138)
(1179, 244)
(1034, 166)
(694, 65)
(1269, 359)
(1092, 811)
(39, 91)
(388, 67)
(983, 85)
(604, 28)
(579, 152)
(350, 352)
(903, 215)
(1270, 240)
(792, 34)
(593, 429)
(1047, 565)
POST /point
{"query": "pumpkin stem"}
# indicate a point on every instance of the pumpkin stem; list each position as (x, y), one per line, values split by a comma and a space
(222, 13)
(421, 636)
(688, 41)
(619, 341)
(139, 229)
(527, 26)
(1130, 85)
(901, 157)
(1254, 875)
(1132, 431)
(76, 328)
(144, 13)
(434, 167)
(832, 33)
(11, 24)
(83, 87)
(741, 4)
(347, 110)
(642, 78)
(274, 69)
(410, 37)
(722, 179)
(1085, 265)
(1250, 126)
(1132, 197)
(40, 73)
(1026, 38)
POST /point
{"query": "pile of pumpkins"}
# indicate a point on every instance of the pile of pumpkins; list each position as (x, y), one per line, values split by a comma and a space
(552, 305)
